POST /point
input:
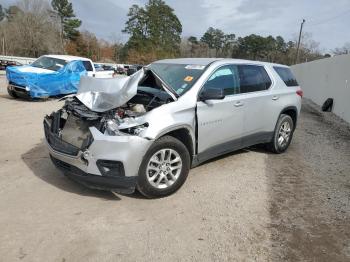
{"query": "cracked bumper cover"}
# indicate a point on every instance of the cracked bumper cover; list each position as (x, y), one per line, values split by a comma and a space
(128, 150)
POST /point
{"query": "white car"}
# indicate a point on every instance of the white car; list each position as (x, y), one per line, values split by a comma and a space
(145, 131)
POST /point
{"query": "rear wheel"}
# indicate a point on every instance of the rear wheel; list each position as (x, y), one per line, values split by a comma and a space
(164, 168)
(283, 134)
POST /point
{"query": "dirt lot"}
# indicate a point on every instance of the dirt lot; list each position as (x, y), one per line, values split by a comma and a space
(247, 206)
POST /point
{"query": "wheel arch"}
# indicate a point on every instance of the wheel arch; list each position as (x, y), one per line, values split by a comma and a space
(292, 111)
(183, 134)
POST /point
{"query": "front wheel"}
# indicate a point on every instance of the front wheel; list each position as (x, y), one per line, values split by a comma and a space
(164, 168)
(11, 93)
(283, 134)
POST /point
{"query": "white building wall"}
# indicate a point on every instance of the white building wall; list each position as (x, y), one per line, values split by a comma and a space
(327, 78)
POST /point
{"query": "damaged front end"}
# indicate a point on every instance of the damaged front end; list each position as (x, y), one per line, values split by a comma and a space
(97, 134)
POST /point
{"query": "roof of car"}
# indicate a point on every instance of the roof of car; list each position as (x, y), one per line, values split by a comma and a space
(207, 61)
(189, 61)
(68, 57)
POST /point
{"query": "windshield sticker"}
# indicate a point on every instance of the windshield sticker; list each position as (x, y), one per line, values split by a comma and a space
(180, 90)
(195, 67)
(188, 78)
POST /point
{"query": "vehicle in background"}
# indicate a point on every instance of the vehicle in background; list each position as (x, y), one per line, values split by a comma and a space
(133, 69)
(145, 131)
(108, 68)
(50, 75)
(5, 63)
(120, 70)
(98, 67)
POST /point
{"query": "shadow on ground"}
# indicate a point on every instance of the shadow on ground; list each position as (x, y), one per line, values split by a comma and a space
(309, 208)
(38, 160)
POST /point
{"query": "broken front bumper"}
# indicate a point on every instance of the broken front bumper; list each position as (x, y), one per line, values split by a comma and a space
(20, 91)
(109, 162)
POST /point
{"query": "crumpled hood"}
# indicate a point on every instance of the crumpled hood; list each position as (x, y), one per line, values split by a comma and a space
(101, 94)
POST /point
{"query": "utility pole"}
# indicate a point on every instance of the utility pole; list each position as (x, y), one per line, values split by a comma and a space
(3, 46)
(298, 48)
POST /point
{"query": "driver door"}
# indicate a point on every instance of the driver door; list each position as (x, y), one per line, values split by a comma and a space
(220, 122)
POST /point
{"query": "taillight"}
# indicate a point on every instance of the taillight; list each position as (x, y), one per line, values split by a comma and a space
(300, 93)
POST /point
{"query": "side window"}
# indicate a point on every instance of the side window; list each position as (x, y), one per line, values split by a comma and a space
(225, 78)
(286, 75)
(253, 78)
(88, 66)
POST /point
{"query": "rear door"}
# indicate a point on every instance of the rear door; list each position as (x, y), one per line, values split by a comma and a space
(255, 84)
(220, 122)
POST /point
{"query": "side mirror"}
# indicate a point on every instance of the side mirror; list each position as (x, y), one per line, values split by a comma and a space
(212, 94)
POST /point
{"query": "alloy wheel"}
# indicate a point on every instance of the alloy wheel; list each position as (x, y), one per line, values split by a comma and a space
(164, 168)
(284, 134)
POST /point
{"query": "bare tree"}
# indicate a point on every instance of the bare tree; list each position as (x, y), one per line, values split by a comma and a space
(342, 50)
(32, 31)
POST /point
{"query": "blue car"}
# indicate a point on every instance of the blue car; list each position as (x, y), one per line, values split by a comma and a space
(49, 75)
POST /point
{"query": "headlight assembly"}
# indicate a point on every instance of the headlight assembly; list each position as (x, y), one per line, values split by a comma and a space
(135, 130)
(112, 128)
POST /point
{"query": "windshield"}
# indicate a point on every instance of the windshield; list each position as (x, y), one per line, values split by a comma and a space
(49, 63)
(179, 77)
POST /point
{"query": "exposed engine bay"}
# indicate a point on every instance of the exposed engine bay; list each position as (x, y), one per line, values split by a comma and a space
(72, 122)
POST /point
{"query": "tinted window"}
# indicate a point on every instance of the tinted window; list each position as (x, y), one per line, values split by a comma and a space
(253, 78)
(225, 78)
(286, 75)
(88, 66)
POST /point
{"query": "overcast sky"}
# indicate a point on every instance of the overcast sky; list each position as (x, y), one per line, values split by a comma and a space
(328, 21)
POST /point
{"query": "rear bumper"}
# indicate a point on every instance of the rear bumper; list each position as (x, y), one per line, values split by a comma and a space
(125, 185)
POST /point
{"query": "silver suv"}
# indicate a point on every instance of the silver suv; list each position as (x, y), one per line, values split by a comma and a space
(147, 130)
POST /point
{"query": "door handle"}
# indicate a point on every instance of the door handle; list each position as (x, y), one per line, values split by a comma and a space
(275, 98)
(238, 104)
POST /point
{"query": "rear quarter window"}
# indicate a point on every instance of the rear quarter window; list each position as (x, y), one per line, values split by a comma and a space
(286, 75)
(253, 78)
(88, 66)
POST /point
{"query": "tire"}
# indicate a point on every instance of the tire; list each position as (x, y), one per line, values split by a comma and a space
(154, 171)
(276, 146)
(327, 105)
(11, 93)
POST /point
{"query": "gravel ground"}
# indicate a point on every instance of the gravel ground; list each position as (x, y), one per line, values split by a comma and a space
(246, 206)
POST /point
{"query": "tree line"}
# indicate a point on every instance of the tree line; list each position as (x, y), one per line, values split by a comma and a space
(35, 27)
(32, 28)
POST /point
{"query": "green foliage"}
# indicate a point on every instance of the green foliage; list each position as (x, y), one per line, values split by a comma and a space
(69, 23)
(216, 39)
(69, 28)
(64, 8)
(193, 40)
(256, 47)
(153, 28)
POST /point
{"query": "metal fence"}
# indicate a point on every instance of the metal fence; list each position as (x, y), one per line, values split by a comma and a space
(18, 59)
